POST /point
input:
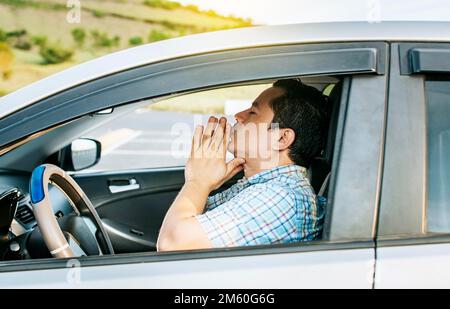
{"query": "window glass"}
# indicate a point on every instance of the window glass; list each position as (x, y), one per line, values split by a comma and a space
(438, 109)
(159, 134)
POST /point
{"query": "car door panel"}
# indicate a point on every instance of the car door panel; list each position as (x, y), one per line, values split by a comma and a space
(413, 264)
(412, 243)
(346, 256)
(314, 265)
(133, 217)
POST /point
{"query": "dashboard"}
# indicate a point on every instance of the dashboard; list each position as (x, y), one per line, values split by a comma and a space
(18, 226)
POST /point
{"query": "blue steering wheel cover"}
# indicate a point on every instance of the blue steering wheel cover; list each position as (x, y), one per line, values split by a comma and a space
(37, 185)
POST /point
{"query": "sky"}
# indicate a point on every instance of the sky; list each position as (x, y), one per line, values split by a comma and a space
(297, 11)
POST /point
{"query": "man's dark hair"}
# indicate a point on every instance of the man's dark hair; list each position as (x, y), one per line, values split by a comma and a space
(305, 110)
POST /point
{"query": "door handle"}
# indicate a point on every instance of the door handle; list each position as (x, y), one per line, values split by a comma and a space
(122, 185)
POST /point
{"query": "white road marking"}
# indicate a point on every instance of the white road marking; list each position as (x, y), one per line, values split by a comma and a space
(150, 153)
(162, 133)
(157, 140)
(162, 153)
(121, 142)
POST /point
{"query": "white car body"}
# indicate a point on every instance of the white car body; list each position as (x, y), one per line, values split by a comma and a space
(341, 263)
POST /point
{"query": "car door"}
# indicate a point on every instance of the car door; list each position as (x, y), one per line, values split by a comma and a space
(144, 151)
(345, 257)
(132, 203)
(413, 246)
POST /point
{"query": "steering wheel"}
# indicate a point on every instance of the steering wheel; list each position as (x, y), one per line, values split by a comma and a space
(64, 245)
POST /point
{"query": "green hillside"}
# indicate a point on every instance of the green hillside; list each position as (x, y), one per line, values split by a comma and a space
(36, 40)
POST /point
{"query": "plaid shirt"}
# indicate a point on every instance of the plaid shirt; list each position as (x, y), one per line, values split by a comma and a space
(274, 206)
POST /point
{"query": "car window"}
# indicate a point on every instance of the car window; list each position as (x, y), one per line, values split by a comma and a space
(159, 134)
(438, 110)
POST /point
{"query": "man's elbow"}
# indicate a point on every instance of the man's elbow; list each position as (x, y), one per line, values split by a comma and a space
(167, 244)
(181, 237)
(173, 239)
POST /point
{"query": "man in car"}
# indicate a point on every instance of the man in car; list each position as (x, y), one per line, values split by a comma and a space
(273, 142)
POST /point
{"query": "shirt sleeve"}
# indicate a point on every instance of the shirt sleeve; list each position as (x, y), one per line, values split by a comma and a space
(215, 200)
(221, 197)
(259, 214)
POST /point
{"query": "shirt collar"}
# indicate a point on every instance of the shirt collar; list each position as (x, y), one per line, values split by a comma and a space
(289, 170)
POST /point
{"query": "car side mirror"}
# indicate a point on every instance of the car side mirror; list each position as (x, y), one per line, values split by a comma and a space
(80, 154)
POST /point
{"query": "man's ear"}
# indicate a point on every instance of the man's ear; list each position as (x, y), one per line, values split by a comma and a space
(286, 138)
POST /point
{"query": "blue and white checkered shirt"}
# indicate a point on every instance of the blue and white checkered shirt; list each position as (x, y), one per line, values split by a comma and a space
(274, 206)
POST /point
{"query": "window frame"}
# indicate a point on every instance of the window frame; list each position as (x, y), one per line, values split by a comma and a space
(87, 96)
(429, 78)
(174, 76)
(411, 64)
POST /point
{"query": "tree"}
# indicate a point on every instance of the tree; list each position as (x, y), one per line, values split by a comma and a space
(54, 54)
(79, 36)
(6, 60)
(136, 40)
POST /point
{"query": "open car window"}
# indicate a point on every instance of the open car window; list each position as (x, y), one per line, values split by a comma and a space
(159, 134)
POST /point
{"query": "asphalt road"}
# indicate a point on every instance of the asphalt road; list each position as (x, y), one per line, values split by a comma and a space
(146, 139)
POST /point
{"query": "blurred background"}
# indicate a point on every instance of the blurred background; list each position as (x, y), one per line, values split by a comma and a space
(37, 38)
(41, 37)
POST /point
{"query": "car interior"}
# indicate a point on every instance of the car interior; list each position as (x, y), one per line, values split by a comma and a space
(131, 219)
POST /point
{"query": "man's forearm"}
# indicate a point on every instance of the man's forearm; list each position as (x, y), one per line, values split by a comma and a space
(206, 169)
(190, 202)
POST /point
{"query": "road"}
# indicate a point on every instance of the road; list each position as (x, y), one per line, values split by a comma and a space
(146, 139)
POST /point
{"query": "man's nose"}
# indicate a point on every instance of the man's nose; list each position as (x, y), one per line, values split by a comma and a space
(241, 116)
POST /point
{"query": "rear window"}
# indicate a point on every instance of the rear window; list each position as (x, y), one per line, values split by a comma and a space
(438, 113)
